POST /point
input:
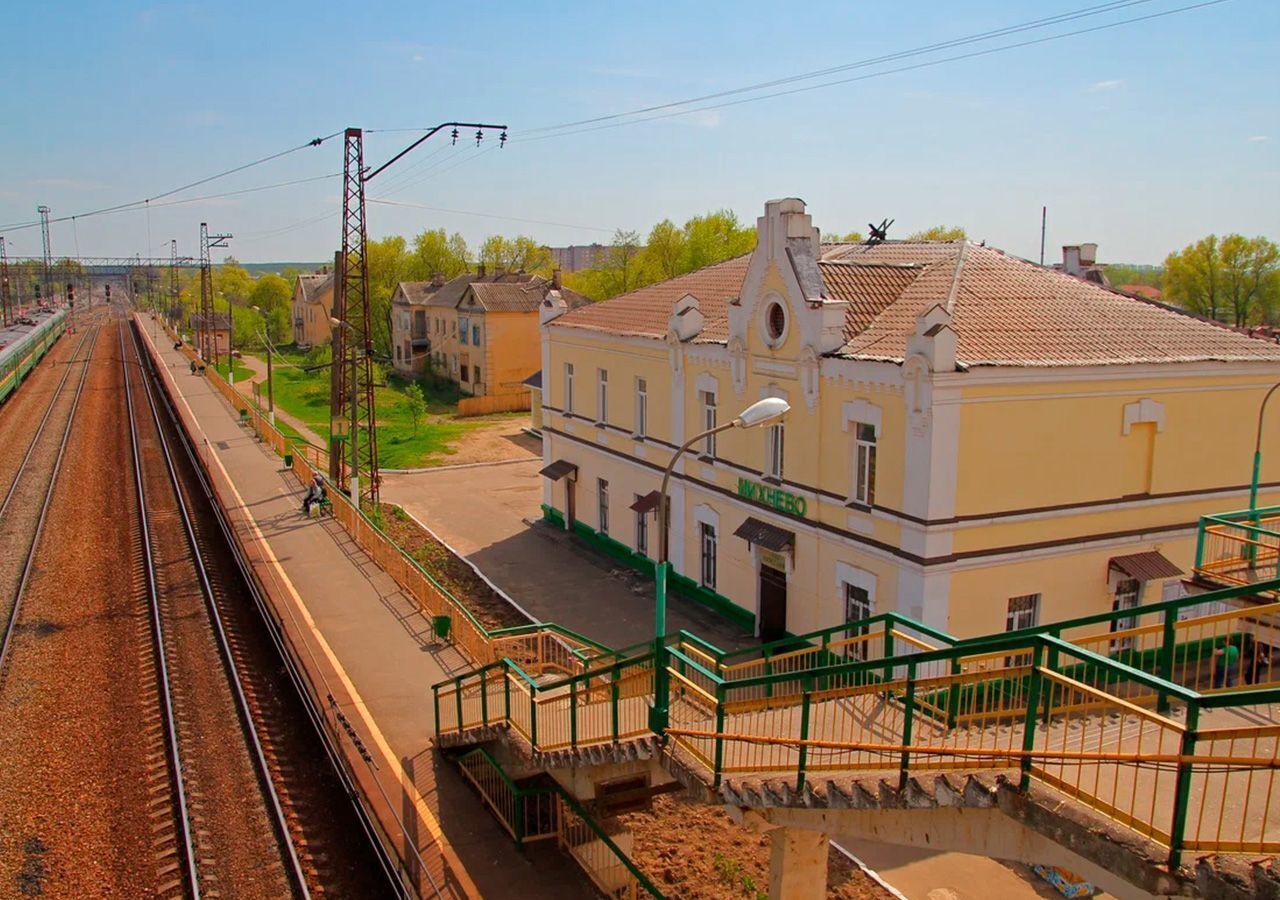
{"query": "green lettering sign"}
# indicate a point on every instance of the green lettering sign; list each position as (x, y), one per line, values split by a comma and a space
(765, 495)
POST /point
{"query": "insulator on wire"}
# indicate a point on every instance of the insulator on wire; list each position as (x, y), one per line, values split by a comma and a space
(479, 136)
(455, 136)
(502, 138)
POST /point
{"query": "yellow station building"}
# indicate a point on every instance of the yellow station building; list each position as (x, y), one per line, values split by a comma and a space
(974, 440)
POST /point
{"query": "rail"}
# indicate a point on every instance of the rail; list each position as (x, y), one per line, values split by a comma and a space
(29, 563)
(263, 770)
(1240, 547)
(157, 637)
(546, 812)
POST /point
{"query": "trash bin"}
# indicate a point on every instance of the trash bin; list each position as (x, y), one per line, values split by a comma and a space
(244, 415)
(288, 460)
(441, 625)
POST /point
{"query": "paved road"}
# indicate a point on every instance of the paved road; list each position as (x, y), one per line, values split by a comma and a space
(492, 515)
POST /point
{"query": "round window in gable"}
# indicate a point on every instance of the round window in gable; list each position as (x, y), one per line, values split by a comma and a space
(775, 321)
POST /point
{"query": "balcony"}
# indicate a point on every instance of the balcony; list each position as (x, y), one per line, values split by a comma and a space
(1239, 548)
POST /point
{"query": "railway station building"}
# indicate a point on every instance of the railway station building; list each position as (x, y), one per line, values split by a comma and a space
(975, 441)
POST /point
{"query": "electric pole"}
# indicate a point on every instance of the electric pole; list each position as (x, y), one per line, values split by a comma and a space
(46, 277)
(208, 335)
(173, 285)
(6, 300)
(353, 336)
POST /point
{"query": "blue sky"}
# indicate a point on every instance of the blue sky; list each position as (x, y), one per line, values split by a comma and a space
(1142, 138)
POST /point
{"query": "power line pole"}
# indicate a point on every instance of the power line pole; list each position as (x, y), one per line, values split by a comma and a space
(173, 285)
(46, 276)
(353, 336)
(1044, 221)
(208, 332)
(6, 300)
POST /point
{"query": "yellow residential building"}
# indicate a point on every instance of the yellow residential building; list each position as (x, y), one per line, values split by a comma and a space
(312, 306)
(974, 441)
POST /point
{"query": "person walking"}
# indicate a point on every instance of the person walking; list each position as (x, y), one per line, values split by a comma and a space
(1227, 669)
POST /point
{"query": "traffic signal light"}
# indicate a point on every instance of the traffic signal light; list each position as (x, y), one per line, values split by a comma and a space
(108, 292)
(71, 295)
(37, 292)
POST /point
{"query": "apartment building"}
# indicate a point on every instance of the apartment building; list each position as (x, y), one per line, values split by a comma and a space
(311, 308)
(410, 332)
(973, 440)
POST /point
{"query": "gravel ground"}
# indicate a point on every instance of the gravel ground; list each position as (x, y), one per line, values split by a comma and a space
(21, 413)
(73, 756)
(485, 604)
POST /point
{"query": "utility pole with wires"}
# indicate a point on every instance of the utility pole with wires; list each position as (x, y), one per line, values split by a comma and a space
(46, 277)
(6, 299)
(173, 286)
(208, 342)
(353, 332)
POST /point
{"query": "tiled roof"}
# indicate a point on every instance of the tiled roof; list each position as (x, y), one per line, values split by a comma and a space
(644, 312)
(1150, 291)
(415, 293)
(314, 285)
(1005, 311)
(508, 297)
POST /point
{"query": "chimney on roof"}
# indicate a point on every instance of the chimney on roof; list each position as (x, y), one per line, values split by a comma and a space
(480, 270)
(555, 279)
(786, 232)
(437, 279)
(1088, 254)
(1071, 260)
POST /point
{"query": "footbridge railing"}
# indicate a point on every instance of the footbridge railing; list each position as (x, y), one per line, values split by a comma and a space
(1239, 547)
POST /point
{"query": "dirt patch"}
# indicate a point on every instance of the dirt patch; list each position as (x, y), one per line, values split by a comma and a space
(454, 573)
(504, 439)
(695, 851)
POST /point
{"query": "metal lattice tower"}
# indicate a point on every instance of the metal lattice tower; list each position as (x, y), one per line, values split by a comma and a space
(173, 282)
(207, 340)
(47, 274)
(6, 299)
(354, 353)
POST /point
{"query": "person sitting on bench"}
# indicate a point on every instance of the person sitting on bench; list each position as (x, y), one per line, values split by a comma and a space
(315, 494)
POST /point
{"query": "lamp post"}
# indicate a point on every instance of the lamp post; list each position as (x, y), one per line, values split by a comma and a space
(763, 412)
(266, 340)
(231, 326)
(1257, 455)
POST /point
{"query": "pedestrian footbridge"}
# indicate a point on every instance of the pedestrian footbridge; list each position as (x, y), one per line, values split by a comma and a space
(1106, 744)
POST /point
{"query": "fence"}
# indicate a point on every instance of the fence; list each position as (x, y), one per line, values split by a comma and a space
(532, 813)
(1239, 547)
(494, 403)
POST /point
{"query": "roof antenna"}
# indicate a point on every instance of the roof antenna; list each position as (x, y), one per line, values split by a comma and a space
(880, 233)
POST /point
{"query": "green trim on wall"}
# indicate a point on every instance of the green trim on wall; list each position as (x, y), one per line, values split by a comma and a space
(682, 585)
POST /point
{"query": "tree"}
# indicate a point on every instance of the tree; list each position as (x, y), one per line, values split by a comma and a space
(435, 251)
(416, 403)
(715, 237)
(518, 254)
(853, 237)
(939, 233)
(232, 281)
(665, 250)
(388, 261)
(1232, 276)
(273, 295)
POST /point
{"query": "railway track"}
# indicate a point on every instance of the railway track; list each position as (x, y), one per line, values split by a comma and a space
(26, 502)
(221, 842)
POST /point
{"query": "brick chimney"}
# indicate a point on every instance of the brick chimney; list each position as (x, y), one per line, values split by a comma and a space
(480, 269)
(555, 279)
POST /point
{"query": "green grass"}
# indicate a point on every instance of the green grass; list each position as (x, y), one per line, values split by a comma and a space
(302, 390)
(243, 373)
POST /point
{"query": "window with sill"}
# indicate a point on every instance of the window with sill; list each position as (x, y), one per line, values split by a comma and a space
(857, 608)
(642, 407)
(568, 388)
(602, 396)
(864, 464)
(642, 531)
(707, 544)
(602, 490)
(775, 448)
(709, 422)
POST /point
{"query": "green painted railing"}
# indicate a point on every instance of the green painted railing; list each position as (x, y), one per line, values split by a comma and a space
(1241, 547)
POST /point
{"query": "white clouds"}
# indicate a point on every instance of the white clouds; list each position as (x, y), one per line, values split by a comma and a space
(418, 57)
(1109, 85)
(1259, 139)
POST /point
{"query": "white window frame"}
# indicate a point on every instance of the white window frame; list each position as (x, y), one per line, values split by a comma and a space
(642, 532)
(602, 506)
(864, 463)
(568, 388)
(602, 396)
(709, 412)
(642, 408)
(1018, 619)
(775, 451)
(867, 602)
(707, 555)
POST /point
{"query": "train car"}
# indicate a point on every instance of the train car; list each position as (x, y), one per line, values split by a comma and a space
(25, 343)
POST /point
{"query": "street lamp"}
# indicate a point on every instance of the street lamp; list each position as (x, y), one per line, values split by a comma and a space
(1257, 455)
(266, 340)
(763, 412)
(231, 327)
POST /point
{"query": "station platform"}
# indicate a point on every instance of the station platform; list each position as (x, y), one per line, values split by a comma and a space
(373, 651)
